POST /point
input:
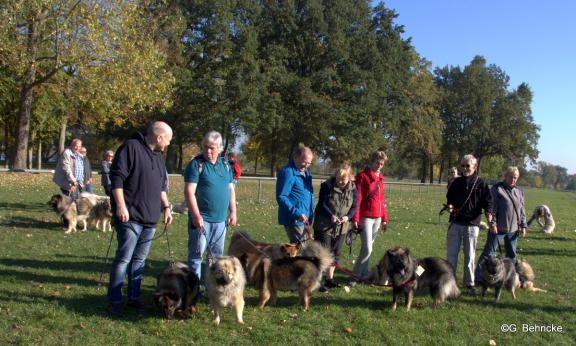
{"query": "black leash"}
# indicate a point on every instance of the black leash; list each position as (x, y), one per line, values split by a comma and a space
(106, 258)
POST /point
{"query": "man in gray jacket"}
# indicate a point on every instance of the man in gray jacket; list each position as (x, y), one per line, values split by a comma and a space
(509, 219)
(64, 174)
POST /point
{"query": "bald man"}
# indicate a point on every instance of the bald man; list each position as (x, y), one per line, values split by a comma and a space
(139, 186)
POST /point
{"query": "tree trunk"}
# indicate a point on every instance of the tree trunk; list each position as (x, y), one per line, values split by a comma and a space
(423, 169)
(39, 156)
(6, 146)
(441, 171)
(26, 96)
(180, 156)
(62, 136)
(256, 165)
(431, 172)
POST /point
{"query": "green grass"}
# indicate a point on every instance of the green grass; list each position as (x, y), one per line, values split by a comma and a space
(49, 291)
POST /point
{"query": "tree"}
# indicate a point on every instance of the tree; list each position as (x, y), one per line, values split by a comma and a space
(481, 116)
(104, 47)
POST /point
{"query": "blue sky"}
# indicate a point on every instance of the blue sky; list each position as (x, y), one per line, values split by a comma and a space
(532, 41)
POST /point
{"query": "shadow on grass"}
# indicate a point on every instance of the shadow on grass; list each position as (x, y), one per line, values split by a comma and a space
(28, 222)
(547, 252)
(25, 206)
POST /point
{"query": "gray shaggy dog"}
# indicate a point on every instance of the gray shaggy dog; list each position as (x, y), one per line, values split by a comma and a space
(497, 273)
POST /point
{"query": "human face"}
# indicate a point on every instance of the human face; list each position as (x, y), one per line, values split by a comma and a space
(76, 147)
(512, 178)
(304, 161)
(342, 181)
(83, 151)
(211, 151)
(163, 141)
(377, 165)
(468, 168)
(454, 172)
(109, 157)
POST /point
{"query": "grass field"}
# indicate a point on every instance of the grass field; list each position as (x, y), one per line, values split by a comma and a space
(49, 290)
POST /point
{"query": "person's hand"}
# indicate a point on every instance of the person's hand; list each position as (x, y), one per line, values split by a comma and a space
(198, 222)
(89, 181)
(232, 219)
(523, 232)
(303, 218)
(493, 229)
(344, 219)
(168, 216)
(384, 226)
(354, 224)
(335, 219)
(73, 188)
(450, 208)
(122, 213)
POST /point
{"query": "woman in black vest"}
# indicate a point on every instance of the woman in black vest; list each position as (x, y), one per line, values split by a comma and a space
(336, 205)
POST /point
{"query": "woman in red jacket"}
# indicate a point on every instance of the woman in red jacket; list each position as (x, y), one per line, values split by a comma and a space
(371, 211)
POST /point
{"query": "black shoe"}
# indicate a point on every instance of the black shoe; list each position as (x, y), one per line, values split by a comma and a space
(330, 283)
(115, 310)
(471, 290)
(323, 289)
(136, 305)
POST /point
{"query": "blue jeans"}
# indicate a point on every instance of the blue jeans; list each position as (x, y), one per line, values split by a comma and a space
(211, 236)
(510, 240)
(134, 242)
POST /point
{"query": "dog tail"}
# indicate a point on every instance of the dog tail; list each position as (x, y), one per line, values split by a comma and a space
(324, 256)
(451, 289)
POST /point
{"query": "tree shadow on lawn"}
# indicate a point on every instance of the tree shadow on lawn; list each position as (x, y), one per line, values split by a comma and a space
(25, 206)
(547, 252)
(25, 223)
(520, 306)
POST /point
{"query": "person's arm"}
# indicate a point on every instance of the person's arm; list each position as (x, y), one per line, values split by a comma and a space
(121, 209)
(67, 166)
(192, 204)
(359, 189)
(232, 205)
(284, 186)
(384, 213)
(323, 201)
(166, 208)
(353, 208)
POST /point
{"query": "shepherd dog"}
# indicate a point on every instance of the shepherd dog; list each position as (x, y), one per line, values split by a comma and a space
(406, 274)
(241, 243)
(301, 273)
(86, 207)
(497, 273)
(101, 212)
(177, 289)
(526, 276)
(225, 282)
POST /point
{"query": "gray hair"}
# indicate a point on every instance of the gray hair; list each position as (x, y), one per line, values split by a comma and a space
(108, 152)
(470, 158)
(511, 171)
(213, 137)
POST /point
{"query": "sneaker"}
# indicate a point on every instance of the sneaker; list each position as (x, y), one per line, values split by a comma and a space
(136, 305)
(330, 283)
(115, 310)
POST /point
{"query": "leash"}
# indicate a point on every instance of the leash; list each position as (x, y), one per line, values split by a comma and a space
(253, 245)
(349, 273)
(106, 258)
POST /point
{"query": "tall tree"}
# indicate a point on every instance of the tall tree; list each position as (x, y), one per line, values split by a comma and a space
(482, 116)
(104, 46)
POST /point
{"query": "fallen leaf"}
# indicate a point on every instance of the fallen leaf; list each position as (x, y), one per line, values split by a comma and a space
(492, 343)
(348, 330)
(82, 325)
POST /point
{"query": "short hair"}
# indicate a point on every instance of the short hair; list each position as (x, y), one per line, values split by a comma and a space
(74, 141)
(470, 158)
(213, 137)
(453, 168)
(158, 128)
(511, 170)
(300, 151)
(108, 152)
(378, 155)
(345, 170)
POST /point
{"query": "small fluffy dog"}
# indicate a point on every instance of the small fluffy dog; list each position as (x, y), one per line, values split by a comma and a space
(302, 273)
(241, 243)
(526, 276)
(543, 212)
(177, 289)
(101, 212)
(225, 282)
(87, 206)
(406, 274)
(497, 273)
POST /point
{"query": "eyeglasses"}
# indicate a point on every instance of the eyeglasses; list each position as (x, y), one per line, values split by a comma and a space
(466, 166)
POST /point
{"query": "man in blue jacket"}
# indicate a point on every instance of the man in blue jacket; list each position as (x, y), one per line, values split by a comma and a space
(295, 195)
(139, 186)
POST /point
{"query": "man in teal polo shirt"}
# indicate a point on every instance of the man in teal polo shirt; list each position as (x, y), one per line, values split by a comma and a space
(209, 194)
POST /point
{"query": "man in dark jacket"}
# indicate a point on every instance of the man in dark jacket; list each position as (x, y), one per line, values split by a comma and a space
(139, 186)
(466, 198)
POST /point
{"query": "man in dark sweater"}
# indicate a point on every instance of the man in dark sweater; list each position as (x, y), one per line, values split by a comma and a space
(139, 186)
(466, 197)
